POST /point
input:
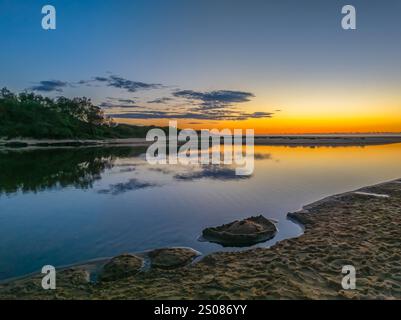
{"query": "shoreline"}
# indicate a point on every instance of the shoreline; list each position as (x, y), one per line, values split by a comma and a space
(284, 140)
(24, 144)
(358, 227)
(330, 141)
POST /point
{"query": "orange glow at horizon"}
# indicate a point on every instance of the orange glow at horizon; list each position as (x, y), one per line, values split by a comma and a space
(289, 125)
(330, 109)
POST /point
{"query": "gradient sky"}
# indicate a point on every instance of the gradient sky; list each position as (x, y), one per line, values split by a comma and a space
(276, 66)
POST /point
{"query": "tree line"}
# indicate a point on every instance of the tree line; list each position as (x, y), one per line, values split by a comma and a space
(32, 115)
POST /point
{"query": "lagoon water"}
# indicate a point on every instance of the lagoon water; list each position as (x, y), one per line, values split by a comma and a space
(63, 206)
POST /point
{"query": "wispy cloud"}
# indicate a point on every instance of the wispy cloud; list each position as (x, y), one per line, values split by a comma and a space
(49, 86)
(124, 103)
(123, 83)
(214, 99)
(217, 115)
(109, 105)
(212, 105)
(161, 100)
(187, 104)
(122, 100)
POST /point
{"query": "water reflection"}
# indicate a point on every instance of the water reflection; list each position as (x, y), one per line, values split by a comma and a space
(214, 172)
(38, 170)
(122, 187)
(70, 205)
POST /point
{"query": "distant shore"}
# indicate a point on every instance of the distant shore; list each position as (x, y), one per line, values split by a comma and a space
(359, 228)
(286, 140)
(327, 140)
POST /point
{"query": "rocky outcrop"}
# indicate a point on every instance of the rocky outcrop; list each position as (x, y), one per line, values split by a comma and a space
(120, 267)
(241, 233)
(170, 258)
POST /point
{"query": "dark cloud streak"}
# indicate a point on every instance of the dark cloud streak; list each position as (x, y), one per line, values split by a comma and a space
(50, 86)
(161, 100)
(122, 83)
(222, 115)
(214, 99)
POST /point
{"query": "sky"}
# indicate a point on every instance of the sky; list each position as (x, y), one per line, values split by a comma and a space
(283, 66)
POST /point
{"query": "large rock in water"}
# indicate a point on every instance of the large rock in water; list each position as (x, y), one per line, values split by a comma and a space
(169, 258)
(241, 233)
(120, 267)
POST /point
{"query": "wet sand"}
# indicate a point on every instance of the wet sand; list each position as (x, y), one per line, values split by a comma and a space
(359, 228)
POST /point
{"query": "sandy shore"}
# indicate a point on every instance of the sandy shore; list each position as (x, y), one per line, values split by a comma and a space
(359, 228)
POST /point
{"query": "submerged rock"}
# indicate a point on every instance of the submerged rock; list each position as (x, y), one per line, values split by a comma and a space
(169, 258)
(120, 267)
(241, 233)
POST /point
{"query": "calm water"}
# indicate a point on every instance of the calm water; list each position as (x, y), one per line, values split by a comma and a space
(64, 206)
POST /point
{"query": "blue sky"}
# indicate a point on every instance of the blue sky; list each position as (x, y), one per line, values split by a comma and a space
(272, 52)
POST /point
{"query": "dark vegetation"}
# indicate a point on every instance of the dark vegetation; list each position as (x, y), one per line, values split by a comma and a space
(39, 170)
(29, 115)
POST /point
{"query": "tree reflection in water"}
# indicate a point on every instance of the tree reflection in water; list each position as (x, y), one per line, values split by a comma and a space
(38, 170)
